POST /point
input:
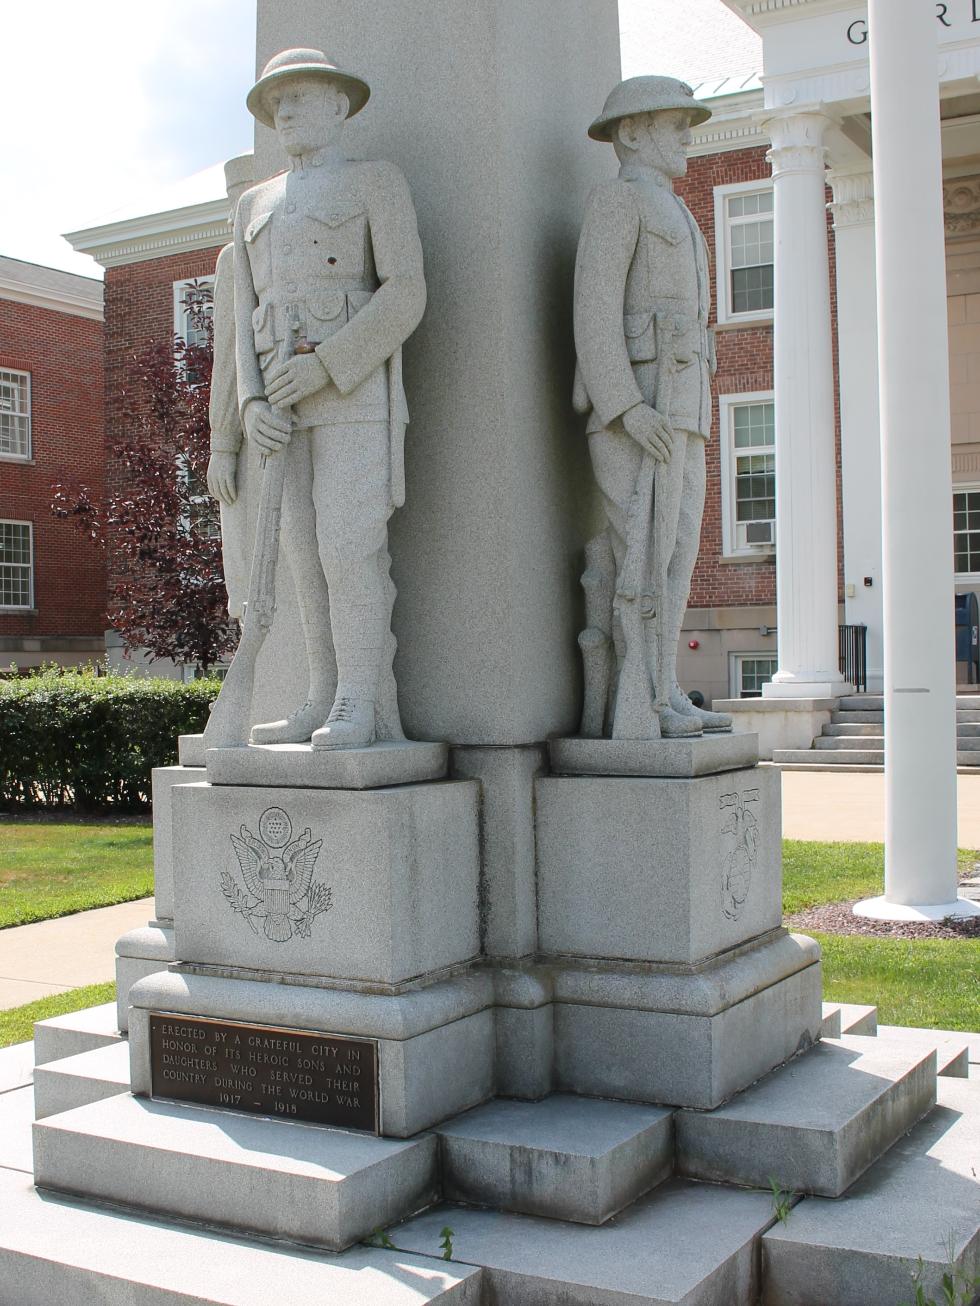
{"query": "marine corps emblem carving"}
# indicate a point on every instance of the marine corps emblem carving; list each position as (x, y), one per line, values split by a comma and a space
(278, 875)
(741, 859)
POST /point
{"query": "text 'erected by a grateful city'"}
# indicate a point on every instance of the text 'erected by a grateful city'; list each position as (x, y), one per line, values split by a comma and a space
(291, 1074)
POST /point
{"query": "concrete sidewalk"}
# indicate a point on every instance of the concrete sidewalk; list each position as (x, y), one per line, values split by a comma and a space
(55, 956)
(849, 807)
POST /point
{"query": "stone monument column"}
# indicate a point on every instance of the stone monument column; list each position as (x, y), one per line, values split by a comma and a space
(806, 499)
(487, 121)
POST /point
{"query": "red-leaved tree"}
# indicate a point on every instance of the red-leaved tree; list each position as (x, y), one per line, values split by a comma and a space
(160, 531)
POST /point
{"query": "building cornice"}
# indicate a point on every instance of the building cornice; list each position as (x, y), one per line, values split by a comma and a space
(155, 235)
(733, 126)
(762, 13)
(58, 301)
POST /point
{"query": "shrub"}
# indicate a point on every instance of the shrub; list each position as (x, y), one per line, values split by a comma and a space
(75, 739)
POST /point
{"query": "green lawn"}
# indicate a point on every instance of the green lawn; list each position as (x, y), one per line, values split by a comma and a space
(17, 1024)
(817, 873)
(51, 867)
(930, 982)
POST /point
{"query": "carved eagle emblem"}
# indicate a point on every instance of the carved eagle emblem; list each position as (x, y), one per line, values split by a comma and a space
(278, 874)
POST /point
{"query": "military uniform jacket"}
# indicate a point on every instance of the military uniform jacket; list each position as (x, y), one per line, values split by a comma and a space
(223, 412)
(641, 257)
(331, 253)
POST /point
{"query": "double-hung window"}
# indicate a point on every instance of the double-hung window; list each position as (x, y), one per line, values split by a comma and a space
(16, 565)
(744, 250)
(750, 671)
(966, 531)
(187, 324)
(748, 458)
(15, 414)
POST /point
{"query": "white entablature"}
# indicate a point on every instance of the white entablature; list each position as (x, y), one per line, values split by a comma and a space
(816, 51)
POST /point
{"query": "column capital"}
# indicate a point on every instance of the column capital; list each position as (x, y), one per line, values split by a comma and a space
(854, 198)
(797, 135)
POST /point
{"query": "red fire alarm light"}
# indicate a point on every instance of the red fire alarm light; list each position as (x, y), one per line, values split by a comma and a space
(693, 643)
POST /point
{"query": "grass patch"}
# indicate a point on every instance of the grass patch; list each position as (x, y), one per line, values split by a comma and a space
(53, 867)
(818, 873)
(17, 1024)
(930, 982)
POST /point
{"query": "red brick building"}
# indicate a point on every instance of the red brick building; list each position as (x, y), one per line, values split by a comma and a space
(149, 259)
(52, 586)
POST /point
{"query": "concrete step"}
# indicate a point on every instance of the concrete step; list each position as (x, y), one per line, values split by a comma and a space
(76, 1081)
(79, 1031)
(57, 1250)
(967, 743)
(861, 703)
(840, 728)
(967, 717)
(952, 1049)
(837, 717)
(920, 1199)
(685, 1242)
(570, 1158)
(849, 1018)
(814, 1125)
(16, 1117)
(967, 730)
(967, 757)
(278, 1178)
(854, 743)
(829, 757)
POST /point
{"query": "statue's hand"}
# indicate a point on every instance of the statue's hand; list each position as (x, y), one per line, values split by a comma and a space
(222, 476)
(650, 431)
(294, 379)
(267, 429)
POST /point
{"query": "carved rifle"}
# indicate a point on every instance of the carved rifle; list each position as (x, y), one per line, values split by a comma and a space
(230, 720)
(637, 714)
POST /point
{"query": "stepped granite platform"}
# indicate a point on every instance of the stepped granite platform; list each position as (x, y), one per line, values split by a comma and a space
(624, 1226)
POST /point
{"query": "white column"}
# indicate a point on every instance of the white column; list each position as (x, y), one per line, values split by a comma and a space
(857, 340)
(806, 483)
(913, 365)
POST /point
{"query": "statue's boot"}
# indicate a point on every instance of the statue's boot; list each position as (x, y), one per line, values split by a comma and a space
(351, 723)
(675, 725)
(297, 727)
(360, 645)
(711, 722)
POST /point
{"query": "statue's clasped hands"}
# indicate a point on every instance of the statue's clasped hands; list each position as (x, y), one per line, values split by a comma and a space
(650, 431)
(295, 379)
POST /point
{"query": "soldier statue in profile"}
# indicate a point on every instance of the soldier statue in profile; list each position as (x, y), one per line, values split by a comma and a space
(328, 285)
(645, 360)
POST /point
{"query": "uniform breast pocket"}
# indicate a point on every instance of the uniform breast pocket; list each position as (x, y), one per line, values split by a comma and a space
(641, 338)
(258, 242)
(338, 238)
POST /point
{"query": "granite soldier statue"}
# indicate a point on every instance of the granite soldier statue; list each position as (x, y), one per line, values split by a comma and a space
(228, 473)
(328, 253)
(645, 358)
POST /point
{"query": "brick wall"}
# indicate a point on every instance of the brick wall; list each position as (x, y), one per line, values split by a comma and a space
(139, 311)
(64, 355)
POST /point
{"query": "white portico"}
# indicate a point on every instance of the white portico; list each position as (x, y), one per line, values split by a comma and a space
(825, 102)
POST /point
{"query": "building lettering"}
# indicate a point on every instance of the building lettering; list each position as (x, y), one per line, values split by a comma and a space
(947, 12)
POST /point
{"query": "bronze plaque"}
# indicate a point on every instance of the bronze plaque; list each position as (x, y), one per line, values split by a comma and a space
(287, 1073)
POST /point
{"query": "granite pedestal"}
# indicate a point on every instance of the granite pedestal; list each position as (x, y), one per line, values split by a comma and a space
(660, 908)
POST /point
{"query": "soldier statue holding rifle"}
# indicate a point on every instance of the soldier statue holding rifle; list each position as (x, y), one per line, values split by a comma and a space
(328, 286)
(645, 359)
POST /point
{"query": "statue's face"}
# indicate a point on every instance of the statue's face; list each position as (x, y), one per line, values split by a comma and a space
(659, 140)
(308, 113)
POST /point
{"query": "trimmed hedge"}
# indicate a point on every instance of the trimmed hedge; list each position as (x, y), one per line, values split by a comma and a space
(74, 739)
